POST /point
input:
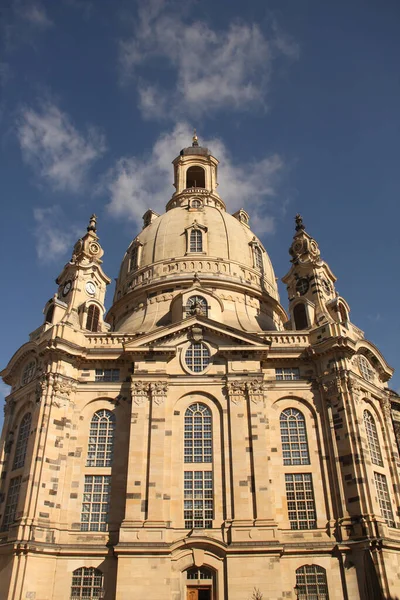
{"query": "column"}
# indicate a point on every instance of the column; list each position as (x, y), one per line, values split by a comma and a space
(155, 493)
(240, 473)
(135, 512)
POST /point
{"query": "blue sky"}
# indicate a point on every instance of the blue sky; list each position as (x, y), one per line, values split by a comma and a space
(299, 99)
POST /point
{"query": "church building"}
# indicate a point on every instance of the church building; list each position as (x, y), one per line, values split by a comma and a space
(198, 442)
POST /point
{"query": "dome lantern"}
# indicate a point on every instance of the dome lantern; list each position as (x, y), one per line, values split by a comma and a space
(195, 174)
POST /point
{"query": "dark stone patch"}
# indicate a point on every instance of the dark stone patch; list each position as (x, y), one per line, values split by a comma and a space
(274, 449)
(168, 432)
(243, 483)
(166, 497)
(52, 492)
(177, 412)
(44, 515)
(354, 499)
(152, 484)
(137, 483)
(73, 495)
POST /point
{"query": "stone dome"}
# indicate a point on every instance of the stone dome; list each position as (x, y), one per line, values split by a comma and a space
(196, 244)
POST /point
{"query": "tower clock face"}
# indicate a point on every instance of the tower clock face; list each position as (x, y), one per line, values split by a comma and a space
(90, 288)
(67, 288)
(302, 286)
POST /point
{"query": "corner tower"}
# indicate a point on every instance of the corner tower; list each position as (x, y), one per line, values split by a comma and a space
(313, 300)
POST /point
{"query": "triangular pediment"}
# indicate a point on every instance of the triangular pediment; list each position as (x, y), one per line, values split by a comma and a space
(168, 337)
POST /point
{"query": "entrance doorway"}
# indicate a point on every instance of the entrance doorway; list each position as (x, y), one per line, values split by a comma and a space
(198, 593)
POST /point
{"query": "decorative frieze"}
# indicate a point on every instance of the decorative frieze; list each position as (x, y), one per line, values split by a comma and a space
(256, 389)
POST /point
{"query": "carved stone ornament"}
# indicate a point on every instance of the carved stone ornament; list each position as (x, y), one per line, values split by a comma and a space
(332, 387)
(236, 391)
(159, 391)
(140, 392)
(354, 388)
(256, 389)
(386, 407)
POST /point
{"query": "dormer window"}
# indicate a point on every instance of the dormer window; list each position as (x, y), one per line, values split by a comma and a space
(196, 305)
(133, 265)
(258, 259)
(195, 177)
(196, 241)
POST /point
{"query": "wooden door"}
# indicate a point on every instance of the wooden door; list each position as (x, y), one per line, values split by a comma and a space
(192, 594)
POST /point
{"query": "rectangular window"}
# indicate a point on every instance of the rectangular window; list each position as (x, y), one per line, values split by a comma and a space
(12, 502)
(384, 499)
(95, 504)
(300, 501)
(198, 499)
(291, 374)
(107, 375)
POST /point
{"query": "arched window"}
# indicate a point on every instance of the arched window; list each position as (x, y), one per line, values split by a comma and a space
(373, 440)
(300, 317)
(93, 317)
(258, 259)
(28, 372)
(196, 305)
(101, 439)
(22, 441)
(196, 203)
(196, 241)
(311, 583)
(197, 357)
(343, 313)
(195, 177)
(49, 314)
(87, 583)
(294, 438)
(198, 434)
(366, 369)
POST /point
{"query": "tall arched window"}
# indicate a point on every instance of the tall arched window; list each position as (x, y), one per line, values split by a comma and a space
(198, 434)
(87, 583)
(300, 317)
(343, 313)
(198, 485)
(22, 441)
(195, 177)
(101, 439)
(93, 317)
(311, 583)
(373, 440)
(196, 241)
(294, 438)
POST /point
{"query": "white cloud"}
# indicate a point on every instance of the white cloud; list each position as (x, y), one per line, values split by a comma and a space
(34, 13)
(55, 149)
(210, 69)
(136, 184)
(53, 237)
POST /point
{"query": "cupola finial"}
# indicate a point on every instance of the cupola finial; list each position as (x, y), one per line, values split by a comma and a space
(299, 223)
(92, 223)
(195, 139)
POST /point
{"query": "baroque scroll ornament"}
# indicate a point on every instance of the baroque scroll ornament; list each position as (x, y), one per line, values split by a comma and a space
(159, 391)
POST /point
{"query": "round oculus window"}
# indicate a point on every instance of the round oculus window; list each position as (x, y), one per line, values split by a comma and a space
(197, 357)
(302, 285)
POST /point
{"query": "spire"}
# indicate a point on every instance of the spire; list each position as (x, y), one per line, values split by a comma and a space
(195, 139)
(92, 223)
(304, 248)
